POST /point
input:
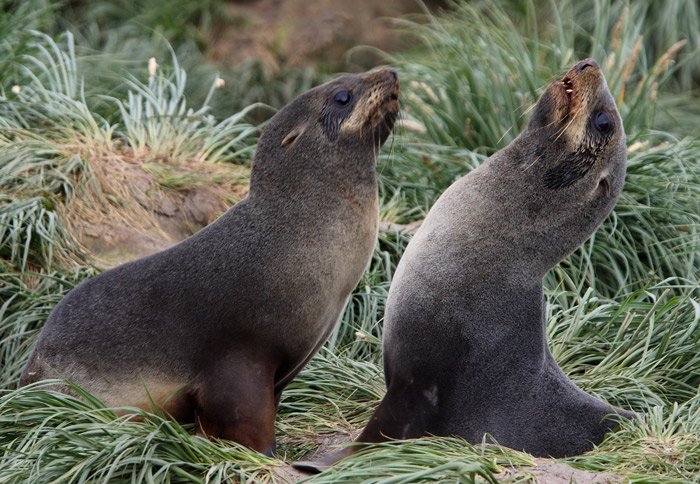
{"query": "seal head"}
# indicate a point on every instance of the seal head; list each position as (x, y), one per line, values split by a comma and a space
(573, 155)
(352, 114)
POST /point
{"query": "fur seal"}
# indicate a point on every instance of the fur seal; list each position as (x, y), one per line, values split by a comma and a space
(465, 350)
(212, 329)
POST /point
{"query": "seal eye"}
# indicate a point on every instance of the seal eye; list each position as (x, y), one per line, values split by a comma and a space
(336, 109)
(342, 97)
(603, 122)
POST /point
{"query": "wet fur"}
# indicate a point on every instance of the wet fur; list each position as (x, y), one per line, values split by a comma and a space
(215, 327)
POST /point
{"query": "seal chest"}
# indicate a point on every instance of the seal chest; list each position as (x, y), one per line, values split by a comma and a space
(214, 328)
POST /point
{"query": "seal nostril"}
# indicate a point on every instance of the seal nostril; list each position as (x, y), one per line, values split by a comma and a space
(583, 65)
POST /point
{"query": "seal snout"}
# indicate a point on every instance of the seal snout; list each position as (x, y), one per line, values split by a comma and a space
(582, 70)
(386, 79)
(383, 105)
(580, 67)
(584, 64)
(387, 73)
(583, 76)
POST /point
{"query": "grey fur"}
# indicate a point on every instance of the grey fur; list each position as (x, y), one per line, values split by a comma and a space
(264, 284)
(465, 348)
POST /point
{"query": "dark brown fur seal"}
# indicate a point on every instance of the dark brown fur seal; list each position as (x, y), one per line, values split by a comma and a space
(213, 328)
(465, 349)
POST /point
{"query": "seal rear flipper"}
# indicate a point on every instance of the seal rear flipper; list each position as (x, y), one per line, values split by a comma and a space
(372, 433)
(399, 416)
(327, 461)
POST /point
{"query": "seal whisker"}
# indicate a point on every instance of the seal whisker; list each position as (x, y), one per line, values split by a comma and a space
(563, 129)
(527, 111)
(504, 134)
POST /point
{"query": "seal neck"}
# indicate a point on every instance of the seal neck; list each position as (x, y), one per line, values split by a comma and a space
(325, 177)
(535, 227)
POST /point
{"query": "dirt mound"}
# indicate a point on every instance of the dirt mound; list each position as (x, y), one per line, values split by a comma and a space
(126, 208)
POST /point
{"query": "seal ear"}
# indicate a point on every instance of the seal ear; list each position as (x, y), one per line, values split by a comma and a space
(293, 135)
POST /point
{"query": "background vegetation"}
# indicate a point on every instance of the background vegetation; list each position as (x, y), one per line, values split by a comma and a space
(77, 100)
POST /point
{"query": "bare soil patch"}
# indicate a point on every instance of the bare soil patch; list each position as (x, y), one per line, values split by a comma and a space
(126, 208)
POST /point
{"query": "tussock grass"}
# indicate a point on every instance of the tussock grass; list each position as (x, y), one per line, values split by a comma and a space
(26, 299)
(178, 20)
(17, 21)
(59, 438)
(623, 311)
(62, 161)
(334, 393)
(31, 233)
(637, 351)
(663, 447)
(158, 124)
(426, 460)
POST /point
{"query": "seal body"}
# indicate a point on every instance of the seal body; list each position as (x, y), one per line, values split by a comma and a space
(212, 329)
(465, 349)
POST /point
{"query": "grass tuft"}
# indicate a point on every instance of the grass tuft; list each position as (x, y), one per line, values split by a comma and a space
(427, 460)
(50, 437)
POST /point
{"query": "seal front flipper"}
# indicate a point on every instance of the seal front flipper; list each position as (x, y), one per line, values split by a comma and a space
(235, 400)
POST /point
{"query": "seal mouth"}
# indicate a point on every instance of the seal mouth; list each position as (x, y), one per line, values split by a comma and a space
(567, 85)
(581, 77)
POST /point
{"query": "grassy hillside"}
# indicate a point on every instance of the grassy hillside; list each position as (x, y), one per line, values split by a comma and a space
(86, 123)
